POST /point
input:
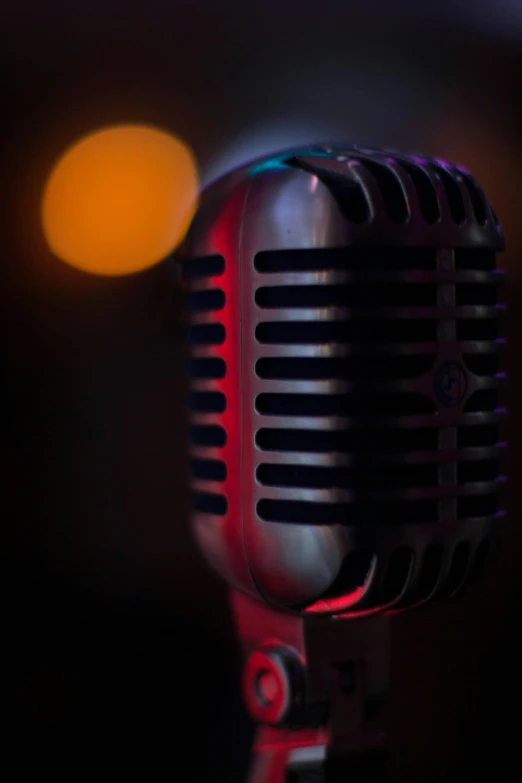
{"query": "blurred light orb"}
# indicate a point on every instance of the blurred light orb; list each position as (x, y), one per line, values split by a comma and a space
(120, 200)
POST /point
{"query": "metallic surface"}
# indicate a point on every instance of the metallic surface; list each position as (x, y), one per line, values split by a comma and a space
(341, 541)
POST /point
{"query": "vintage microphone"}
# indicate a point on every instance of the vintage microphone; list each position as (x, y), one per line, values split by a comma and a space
(345, 452)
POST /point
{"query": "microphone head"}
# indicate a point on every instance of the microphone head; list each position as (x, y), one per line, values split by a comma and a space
(344, 379)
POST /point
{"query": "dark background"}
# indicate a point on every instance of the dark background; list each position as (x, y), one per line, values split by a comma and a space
(117, 641)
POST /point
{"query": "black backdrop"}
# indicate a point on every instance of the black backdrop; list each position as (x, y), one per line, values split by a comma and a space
(116, 638)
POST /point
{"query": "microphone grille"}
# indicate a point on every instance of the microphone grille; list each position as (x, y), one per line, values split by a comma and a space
(369, 372)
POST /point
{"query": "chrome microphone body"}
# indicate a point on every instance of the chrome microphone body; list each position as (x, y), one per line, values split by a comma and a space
(346, 398)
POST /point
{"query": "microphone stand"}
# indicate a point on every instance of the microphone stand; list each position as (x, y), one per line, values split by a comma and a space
(317, 686)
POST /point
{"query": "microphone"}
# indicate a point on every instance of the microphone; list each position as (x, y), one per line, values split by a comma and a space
(345, 399)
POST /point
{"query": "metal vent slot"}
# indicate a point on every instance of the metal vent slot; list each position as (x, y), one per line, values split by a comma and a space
(377, 513)
(480, 562)
(396, 575)
(477, 506)
(350, 198)
(478, 470)
(369, 404)
(480, 435)
(352, 259)
(208, 435)
(353, 331)
(347, 192)
(208, 299)
(358, 368)
(352, 574)
(430, 573)
(363, 294)
(458, 568)
(482, 363)
(206, 334)
(207, 402)
(426, 194)
(455, 202)
(208, 469)
(392, 440)
(209, 503)
(477, 202)
(482, 400)
(206, 266)
(357, 477)
(207, 367)
(475, 294)
(391, 190)
(472, 259)
(477, 329)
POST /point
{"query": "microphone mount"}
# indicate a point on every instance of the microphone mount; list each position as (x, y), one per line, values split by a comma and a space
(318, 687)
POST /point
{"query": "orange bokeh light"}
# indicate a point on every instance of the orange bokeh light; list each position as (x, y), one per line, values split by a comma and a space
(120, 200)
